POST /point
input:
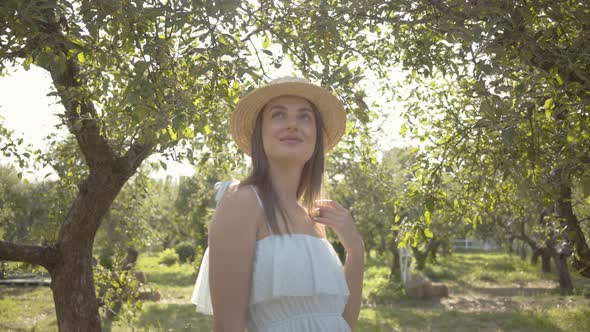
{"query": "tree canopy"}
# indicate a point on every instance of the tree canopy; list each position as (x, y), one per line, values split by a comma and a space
(497, 92)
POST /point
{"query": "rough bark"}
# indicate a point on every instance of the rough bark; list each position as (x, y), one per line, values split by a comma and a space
(573, 232)
(546, 260)
(46, 256)
(70, 265)
(394, 270)
(420, 258)
(563, 274)
(522, 251)
(536, 254)
(340, 250)
(72, 285)
(72, 280)
(434, 252)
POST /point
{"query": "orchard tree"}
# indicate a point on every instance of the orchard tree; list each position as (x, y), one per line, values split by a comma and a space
(371, 190)
(137, 78)
(498, 89)
(195, 203)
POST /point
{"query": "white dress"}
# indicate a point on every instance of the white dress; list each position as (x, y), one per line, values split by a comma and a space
(298, 285)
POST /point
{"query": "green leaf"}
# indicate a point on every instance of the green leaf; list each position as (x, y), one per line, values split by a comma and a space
(428, 233)
(403, 129)
(428, 217)
(549, 104)
(188, 133)
(223, 40)
(173, 135)
(266, 42)
(27, 62)
(81, 57)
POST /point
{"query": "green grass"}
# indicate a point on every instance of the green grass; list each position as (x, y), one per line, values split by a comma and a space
(485, 267)
(489, 292)
(26, 309)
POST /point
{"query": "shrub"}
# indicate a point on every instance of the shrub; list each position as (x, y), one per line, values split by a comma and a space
(105, 257)
(186, 252)
(168, 257)
(198, 258)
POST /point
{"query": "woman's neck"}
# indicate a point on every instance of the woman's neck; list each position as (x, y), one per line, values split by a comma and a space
(285, 180)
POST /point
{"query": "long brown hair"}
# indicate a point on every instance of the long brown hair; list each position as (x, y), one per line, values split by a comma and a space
(310, 183)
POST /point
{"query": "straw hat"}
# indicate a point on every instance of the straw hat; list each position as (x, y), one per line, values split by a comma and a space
(244, 116)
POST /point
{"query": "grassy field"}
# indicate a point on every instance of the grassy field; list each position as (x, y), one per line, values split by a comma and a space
(488, 292)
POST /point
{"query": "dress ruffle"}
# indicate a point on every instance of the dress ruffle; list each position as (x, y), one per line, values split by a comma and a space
(284, 265)
(296, 265)
(201, 294)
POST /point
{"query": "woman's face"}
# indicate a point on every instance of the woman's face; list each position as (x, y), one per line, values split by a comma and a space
(289, 129)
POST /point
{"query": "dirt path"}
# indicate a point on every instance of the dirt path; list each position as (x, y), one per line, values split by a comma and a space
(498, 297)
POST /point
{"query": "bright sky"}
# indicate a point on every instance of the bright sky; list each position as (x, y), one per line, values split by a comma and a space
(26, 109)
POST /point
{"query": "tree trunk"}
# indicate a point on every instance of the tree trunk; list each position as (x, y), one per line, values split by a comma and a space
(546, 260)
(74, 296)
(434, 251)
(420, 258)
(446, 248)
(202, 237)
(565, 282)
(511, 244)
(535, 257)
(340, 251)
(394, 271)
(69, 260)
(522, 251)
(72, 283)
(573, 232)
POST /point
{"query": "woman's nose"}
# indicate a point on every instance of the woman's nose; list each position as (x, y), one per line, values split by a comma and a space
(292, 122)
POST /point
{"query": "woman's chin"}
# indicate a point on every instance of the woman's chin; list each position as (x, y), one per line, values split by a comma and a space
(290, 155)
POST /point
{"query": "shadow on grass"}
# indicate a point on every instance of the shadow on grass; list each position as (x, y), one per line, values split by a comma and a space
(464, 286)
(13, 291)
(173, 317)
(180, 317)
(404, 319)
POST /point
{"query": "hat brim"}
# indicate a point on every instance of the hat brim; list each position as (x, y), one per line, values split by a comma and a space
(243, 118)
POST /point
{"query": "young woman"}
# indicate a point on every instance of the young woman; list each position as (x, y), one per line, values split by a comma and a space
(269, 266)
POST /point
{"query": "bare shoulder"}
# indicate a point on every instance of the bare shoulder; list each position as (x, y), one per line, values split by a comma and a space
(237, 214)
(239, 197)
(232, 246)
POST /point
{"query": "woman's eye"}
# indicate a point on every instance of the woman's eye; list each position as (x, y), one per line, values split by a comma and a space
(276, 114)
(306, 116)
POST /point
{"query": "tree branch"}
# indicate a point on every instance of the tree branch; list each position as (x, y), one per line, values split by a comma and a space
(135, 155)
(80, 112)
(45, 256)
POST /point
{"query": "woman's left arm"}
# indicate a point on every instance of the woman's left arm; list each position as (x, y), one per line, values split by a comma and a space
(354, 270)
(340, 221)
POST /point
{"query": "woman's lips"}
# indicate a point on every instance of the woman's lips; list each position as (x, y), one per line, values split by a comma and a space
(291, 141)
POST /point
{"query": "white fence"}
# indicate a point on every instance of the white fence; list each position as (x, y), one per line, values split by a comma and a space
(465, 244)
